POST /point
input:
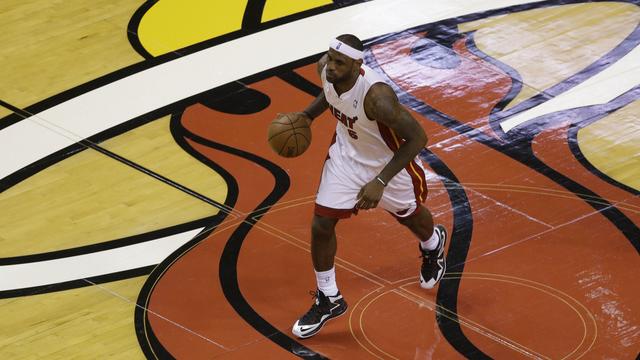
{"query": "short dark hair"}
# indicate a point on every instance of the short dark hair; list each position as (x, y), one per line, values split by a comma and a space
(352, 41)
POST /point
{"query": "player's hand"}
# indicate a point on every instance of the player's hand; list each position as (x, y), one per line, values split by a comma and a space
(305, 117)
(370, 195)
(297, 116)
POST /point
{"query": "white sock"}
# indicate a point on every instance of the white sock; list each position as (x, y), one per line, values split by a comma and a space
(327, 282)
(432, 243)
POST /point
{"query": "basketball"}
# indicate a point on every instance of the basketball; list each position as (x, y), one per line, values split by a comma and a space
(289, 135)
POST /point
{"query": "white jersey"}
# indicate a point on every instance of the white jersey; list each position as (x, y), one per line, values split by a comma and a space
(357, 137)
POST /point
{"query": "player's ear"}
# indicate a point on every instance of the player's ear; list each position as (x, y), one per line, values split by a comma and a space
(358, 62)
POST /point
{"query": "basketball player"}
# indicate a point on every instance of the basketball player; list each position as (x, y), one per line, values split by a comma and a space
(373, 162)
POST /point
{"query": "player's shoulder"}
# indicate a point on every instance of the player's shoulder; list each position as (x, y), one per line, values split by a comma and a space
(380, 96)
(377, 88)
(380, 91)
(371, 75)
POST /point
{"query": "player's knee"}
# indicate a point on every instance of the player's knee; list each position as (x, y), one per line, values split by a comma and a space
(408, 221)
(419, 218)
(414, 223)
(322, 227)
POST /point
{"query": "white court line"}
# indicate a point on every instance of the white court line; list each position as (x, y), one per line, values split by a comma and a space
(124, 258)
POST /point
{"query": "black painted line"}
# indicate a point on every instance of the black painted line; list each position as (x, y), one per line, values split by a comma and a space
(301, 83)
(82, 250)
(253, 15)
(134, 24)
(163, 179)
(14, 109)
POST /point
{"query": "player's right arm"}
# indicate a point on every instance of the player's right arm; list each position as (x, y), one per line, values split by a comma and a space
(319, 104)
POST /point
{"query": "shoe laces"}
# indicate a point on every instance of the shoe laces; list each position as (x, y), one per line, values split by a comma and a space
(316, 309)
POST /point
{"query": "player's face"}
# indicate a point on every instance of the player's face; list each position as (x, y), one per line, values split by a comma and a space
(339, 67)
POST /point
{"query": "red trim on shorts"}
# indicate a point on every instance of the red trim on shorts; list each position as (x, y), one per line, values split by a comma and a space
(333, 213)
(419, 182)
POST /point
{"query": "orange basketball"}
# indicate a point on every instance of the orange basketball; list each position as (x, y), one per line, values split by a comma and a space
(289, 135)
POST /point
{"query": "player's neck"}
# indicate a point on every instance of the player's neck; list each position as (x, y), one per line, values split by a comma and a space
(346, 85)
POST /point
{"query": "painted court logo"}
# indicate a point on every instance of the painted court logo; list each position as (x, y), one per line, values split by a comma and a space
(470, 99)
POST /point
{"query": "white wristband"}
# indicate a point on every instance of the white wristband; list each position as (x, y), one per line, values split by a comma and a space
(381, 181)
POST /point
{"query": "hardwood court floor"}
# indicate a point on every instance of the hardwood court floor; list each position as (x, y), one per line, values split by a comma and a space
(143, 214)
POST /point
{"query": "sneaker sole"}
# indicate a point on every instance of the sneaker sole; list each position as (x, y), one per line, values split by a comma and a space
(423, 283)
(317, 330)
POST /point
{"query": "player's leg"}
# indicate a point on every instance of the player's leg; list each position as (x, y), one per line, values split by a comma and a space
(328, 302)
(420, 223)
(323, 242)
(403, 198)
(335, 201)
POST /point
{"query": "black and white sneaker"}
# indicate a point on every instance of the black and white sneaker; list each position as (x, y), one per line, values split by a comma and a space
(433, 261)
(324, 309)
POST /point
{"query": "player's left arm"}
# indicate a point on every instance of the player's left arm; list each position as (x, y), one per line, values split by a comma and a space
(381, 104)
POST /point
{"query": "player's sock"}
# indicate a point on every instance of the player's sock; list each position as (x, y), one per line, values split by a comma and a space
(327, 282)
(432, 243)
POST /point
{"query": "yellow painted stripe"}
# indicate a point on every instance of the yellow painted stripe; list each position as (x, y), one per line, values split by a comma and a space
(274, 9)
(170, 25)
